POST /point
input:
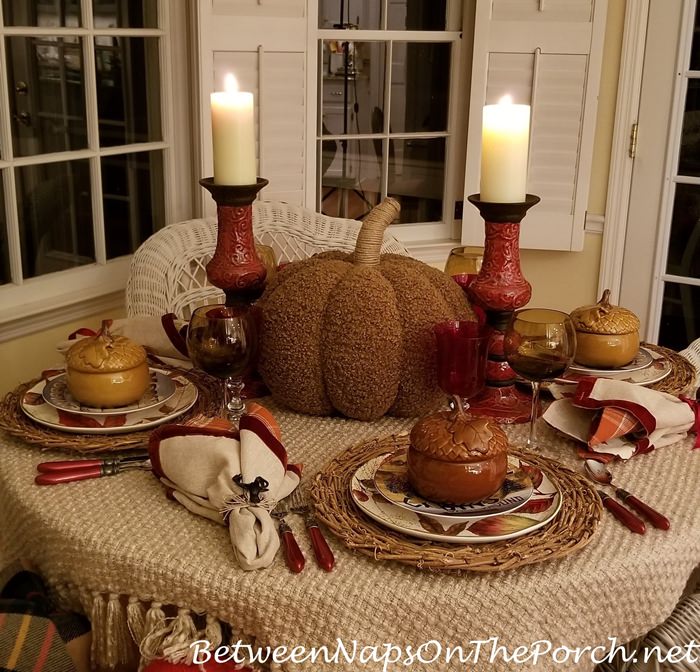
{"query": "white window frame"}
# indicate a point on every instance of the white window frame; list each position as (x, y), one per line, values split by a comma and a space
(428, 241)
(32, 304)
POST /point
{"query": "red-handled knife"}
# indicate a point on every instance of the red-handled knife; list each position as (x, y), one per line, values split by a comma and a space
(658, 520)
(625, 516)
(82, 473)
(71, 465)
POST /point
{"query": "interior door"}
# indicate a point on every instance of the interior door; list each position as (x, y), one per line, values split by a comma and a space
(661, 268)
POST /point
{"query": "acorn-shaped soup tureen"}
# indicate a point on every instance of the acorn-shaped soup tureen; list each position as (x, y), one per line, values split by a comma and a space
(104, 371)
(456, 459)
(607, 336)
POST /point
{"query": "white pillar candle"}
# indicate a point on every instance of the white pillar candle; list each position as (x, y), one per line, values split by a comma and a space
(233, 135)
(504, 150)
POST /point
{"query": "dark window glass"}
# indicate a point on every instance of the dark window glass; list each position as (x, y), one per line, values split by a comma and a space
(125, 13)
(133, 204)
(695, 52)
(689, 159)
(416, 15)
(350, 171)
(420, 75)
(47, 94)
(680, 316)
(55, 216)
(417, 178)
(4, 253)
(349, 14)
(44, 13)
(684, 243)
(353, 87)
(128, 89)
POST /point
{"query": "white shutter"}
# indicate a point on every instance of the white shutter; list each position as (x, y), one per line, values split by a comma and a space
(546, 53)
(264, 45)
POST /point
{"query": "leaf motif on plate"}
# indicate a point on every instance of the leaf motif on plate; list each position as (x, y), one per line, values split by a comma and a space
(115, 420)
(50, 373)
(498, 525)
(33, 399)
(359, 494)
(537, 505)
(433, 526)
(534, 473)
(68, 419)
(166, 410)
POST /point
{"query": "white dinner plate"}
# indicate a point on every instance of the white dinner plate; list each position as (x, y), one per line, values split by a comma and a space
(658, 370)
(642, 360)
(35, 406)
(391, 481)
(542, 507)
(57, 394)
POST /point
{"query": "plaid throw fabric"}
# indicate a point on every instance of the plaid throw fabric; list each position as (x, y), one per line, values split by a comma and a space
(31, 643)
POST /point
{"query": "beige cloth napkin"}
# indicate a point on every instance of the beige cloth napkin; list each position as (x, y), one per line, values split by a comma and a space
(234, 478)
(659, 419)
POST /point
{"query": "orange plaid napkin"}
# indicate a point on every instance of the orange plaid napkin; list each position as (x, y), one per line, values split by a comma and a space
(616, 419)
(611, 423)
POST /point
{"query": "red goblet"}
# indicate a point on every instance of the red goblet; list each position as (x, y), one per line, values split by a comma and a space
(462, 350)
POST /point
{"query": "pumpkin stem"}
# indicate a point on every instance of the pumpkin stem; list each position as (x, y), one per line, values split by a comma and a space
(605, 299)
(369, 241)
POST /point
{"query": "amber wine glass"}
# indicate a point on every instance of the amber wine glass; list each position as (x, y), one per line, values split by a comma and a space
(463, 264)
(221, 340)
(539, 344)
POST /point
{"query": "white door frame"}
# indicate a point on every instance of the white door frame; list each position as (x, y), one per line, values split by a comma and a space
(621, 163)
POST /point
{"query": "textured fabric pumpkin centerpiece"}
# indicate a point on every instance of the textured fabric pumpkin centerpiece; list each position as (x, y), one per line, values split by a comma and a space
(352, 332)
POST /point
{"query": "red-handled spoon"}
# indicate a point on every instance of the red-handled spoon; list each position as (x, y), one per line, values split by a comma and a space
(599, 472)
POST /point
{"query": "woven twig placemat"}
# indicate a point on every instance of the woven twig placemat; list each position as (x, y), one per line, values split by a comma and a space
(15, 422)
(682, 375)
(570, 530)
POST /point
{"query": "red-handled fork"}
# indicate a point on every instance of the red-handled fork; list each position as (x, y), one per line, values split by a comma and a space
(322, 551)
(292, 553)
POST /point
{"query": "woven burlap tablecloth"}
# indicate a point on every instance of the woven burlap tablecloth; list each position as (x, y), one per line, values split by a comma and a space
(116, 545)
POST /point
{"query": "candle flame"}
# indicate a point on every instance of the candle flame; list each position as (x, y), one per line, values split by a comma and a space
(506, 100)
(230, 83)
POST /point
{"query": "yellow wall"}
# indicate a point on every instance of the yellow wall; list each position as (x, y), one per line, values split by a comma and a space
(562, 280)
(24, 358)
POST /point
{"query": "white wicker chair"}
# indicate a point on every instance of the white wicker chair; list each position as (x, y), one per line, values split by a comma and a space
(168, 273)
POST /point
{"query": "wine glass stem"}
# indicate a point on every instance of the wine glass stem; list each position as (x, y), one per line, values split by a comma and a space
(234, 406)
(530, 444)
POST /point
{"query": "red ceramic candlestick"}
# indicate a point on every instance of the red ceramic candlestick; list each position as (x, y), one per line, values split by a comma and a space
(500, 288)
(235, 266)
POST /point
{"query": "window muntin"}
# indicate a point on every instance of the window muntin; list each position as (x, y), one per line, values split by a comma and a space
(62, 87)
(378, 15)
(377, 134)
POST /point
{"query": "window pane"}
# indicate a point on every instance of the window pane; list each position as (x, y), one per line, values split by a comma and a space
(128, 89)
(350, 171)
(695, 53)
(353, 87)
(680, 316)
(416, 15)
(417, 178)
(55, 216)
(338, 13)
(4, 253)
(44, 13)
(125, 13)
(47, 96)
(689, 161)
(132, 200)
(684, 243)
(420, 82)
